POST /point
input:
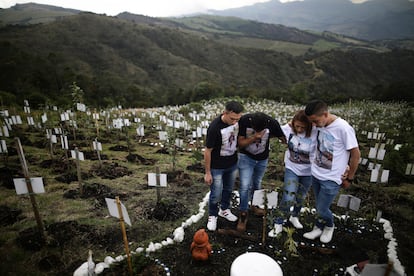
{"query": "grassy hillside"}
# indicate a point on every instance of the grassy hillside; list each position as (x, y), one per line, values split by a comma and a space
(141, 61)
(24, 14)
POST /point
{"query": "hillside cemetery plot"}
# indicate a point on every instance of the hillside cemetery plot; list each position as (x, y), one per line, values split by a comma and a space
(68, 134)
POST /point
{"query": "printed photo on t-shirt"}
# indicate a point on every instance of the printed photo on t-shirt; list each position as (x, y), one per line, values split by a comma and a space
(324, 150)
(229, 142)
(259, 145)
(299, 149)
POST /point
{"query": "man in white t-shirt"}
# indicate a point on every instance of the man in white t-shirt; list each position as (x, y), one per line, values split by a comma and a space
(336, 161)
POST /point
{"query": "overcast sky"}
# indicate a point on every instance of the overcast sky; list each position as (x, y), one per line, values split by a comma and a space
(153, 8)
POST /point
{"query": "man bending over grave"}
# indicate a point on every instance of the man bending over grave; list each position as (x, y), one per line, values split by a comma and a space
(253, 141)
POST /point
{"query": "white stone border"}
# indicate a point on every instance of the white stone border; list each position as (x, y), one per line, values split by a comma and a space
(178, 237)
(391, 251)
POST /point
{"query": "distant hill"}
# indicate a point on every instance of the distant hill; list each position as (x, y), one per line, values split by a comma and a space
(371, 20)
(141, 61)
(31, 13)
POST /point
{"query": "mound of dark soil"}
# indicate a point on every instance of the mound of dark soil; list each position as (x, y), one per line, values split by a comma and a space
(58, 165)
(110, 170)
(64, 235)
(119, 148)
(30, 239)
(180, 178)
(8, 215)
(50, 262)
(163, 151)
(6, 177)
(72, 176)
(169, 210)
(136, 158)
(96, 191)
(198, 167)
(93, 155)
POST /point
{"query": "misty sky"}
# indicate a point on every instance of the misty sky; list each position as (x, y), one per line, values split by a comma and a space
(156, 8)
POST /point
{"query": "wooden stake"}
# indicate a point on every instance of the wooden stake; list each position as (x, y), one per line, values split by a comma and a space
(264, 226)
(389, 268)
(97, 151)
(158, 184)
(124, 236)
(51, 144)
(264, 218)
(96, 124)
(30, 189)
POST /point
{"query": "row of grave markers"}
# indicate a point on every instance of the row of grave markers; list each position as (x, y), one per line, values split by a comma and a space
(179, 122)
(34, 185)
(377, 152)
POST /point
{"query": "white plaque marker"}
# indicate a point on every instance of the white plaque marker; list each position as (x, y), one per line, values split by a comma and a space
(152, 180)
(113, 210)
(258, 198)
(21, 185)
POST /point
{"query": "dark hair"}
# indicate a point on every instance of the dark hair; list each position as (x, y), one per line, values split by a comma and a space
(234, 106)
(316, 107)
(259, 121)
(300, 116)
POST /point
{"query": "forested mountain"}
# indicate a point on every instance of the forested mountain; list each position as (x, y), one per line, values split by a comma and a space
(371, 20)
(134, 60)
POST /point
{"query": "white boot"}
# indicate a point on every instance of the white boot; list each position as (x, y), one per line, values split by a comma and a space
(315, 233)
(327, 234)
(295, 222)
(277, 228)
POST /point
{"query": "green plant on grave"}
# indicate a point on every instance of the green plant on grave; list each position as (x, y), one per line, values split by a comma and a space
(197, 156)
(290, 244)
(76, 93)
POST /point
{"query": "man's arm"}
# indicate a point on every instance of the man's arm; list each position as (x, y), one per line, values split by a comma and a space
(354, 157)
(245, 141)
(207, 166)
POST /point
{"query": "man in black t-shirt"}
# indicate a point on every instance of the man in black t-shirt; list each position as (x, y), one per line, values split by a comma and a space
(220, 161)
(255, 131)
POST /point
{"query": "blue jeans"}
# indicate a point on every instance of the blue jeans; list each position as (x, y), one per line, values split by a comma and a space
(325, 192)
(221, 189)
(294, 192)
(251, 173)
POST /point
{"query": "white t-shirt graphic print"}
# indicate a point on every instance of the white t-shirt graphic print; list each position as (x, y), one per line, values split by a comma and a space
(259, 145)
(324, 150)
(299, 152)
(229, 140)
(332, 150)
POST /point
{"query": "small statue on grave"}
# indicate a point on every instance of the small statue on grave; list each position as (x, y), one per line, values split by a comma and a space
(200, 247)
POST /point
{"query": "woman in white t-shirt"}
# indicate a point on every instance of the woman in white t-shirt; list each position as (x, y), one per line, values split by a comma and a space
(301, 141)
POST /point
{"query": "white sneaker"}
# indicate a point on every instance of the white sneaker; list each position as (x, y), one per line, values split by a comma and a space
(227, 215)
(295, 222)
(327, 234)
(277, 228)
(212, 223)
(315, 233)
